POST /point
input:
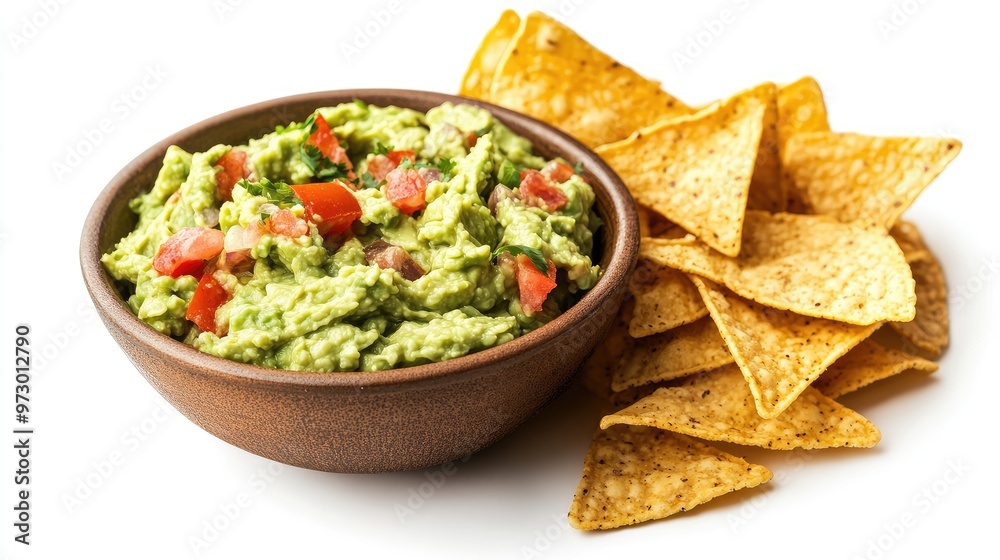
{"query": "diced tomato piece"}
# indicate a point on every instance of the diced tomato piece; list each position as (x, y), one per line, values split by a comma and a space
(328, 144)
(536, 190)
(207, 298)
(557, 171)
(186, 251)
(533, 285)
(382, 164)
(334, 203)
(397, 156)
(233, 165)
(285, 222)
(405, 188)
(471, 138)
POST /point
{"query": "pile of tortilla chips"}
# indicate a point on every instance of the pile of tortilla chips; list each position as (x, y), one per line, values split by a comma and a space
(774, 274)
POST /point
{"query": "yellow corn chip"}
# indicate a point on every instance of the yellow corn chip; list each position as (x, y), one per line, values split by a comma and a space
(857, 177)
(928, 330)
(664, 299)
(633, 475)
(767, 190)
(696, 170)
(554, 75)
(479, 75)
(672, 354)
(811, 265)
(779, 352)
(800, 109)
(595, 375)
(717, 405)
(865, 364)
(651, 224)
(908, 238)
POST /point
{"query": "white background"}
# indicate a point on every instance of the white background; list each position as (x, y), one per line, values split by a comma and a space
(888, 67)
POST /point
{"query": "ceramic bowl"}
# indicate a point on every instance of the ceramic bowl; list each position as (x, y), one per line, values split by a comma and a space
(399, 419)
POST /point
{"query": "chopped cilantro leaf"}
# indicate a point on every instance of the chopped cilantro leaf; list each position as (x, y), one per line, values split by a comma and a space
(368, 181)
(446, 166)
(361, 104)
(578, 168)
(508, 174)
(381, 149)
(536, 256)
(321, 166)
(278, 193)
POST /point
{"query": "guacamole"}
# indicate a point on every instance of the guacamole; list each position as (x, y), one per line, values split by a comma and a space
(363, 238)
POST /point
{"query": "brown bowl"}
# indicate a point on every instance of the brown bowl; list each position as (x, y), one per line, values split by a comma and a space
(399, 419)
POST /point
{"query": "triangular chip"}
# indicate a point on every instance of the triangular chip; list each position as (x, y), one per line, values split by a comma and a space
(652, 224)
(767, 190)
(779, 352)
(908, 237)
(664, 299)
(812, 265)
(857, 177)
(928, 331)
(717, 405)
(696, 170)
(800, 109)
(479, 76)
(595, 375)
(672, 354)
(865, 364)
(634, 474)
(554, 75)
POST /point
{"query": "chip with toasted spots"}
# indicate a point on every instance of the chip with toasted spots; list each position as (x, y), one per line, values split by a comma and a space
(767, 190)
(865, 364)
(696, 170)
(717, 405)
(908, 237)
(651, 224)
(779, 352)
(857, 177)
(479, 75)
(811, 265)
(669, 355)
(664, 299)
(801, 108)
(554, 75)
(631, 475)
(595, 375)
(928, 331)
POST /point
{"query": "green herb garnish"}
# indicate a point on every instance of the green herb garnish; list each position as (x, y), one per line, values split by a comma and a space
(368, 181)
(321, 166)
(446, 166)
(508, 174)
(536, 256)
(578, 168)
(381, 149)
(361, 104)
(279, 193)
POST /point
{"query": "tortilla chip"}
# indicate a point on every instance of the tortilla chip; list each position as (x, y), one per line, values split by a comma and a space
(928, 330)
(811, 265)
(595, 375)
(554, 75)
(767, 190)
(908, 238)
(633, 475)
(857, 177)
(717, 405)
(676, 353)
(664, 299)
(651, 224)
(779, 352)
(865, 364)
(479, 75)
(800, 109)
(696, 170)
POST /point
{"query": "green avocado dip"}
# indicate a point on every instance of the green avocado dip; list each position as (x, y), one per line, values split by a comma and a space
(364, 238)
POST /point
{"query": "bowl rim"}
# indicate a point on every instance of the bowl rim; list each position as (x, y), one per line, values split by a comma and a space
(113, 309)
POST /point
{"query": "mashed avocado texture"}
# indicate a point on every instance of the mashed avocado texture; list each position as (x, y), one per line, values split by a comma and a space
(364, 238)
